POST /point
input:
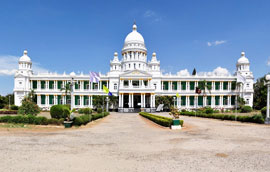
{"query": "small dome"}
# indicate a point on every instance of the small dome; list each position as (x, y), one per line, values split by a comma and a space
(243, 59)
(25, 57)
(134, 36)
(72, 74)
(115, 54)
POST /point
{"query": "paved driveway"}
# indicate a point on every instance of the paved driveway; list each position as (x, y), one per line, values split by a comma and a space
(128, 142)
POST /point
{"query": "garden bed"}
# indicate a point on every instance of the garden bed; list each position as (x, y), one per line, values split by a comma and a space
(164, 121)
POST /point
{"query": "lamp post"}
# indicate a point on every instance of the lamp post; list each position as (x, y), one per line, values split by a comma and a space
(174, 102)
(267, 78)
(107, 104)
(72, 75)
(9, 102)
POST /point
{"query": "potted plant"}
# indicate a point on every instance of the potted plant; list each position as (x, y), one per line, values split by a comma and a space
(176, 121)
(69, 120)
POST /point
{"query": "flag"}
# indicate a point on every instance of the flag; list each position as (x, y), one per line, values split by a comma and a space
(177, 95)
(241, 78)
(94, 77)
(106, 90)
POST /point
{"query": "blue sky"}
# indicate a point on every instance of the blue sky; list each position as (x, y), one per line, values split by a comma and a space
(83, 35)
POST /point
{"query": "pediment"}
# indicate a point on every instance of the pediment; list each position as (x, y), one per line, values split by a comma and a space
(136, 73)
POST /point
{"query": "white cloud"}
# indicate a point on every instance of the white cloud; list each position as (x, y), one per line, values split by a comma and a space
(219, 71)
(152, 15)
(183, 72)
(268, 61)
(9, 65)
(215, 43)
(149, 13)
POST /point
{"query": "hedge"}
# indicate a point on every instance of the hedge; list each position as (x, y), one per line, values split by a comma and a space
(59, 111)
(254, 119)
(85, 119)
(30, 119)
(164, 121)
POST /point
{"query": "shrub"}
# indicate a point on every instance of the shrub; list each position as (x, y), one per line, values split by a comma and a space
(8, 112)
(30, 119)
(209, 110)
(14, 107)
(28, 107)
(53, 121)
(78, 121)
(246, 109)
(164, 121)
(86, 119)
(87, 111)
(99, 110)
(263, 112)
(59, 111)
(258, 119)
(80, 111)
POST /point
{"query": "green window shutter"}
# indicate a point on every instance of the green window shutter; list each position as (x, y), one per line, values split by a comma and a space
(225, 100)
(217, 100)
(217, 85)
(209, 85)
(233, 100)
(85, 100)
(225, 85)
(209, 100)
(192, 85)
(68, 100)
(42, 84)
(77, 100)
(34, 84)
(51, 84)
(103, 83)
(51, 99)
(183, 100)
(43, 98)
(59, 97)
(183, 85)
(76, 85)
(174, 85)
(191, 100)
(233, 85)
(59, 84)
(200, 84)
(85, 83)
(165, 85)
(200, 100)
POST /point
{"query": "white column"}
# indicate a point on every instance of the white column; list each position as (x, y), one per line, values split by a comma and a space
(132, 100)
(154, 101)
(141, 100)
(38, 100)
(151, 101)
(221, 101)
(221, 85)
(55, 99)
(99, 85)
(188, 88)
(120, 100)
(204, 100)
(129, 100)
(81, 100)
(187, 101)
(161, 85)
(230, 86)
(47, 100)
(229, 101)
(81, 85)
(212, 101)
(89, 101)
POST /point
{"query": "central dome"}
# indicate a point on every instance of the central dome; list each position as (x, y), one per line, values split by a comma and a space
(134, 36)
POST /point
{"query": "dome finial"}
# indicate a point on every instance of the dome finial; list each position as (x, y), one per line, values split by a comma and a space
(25, 52)
(242, 53)
(134, 26)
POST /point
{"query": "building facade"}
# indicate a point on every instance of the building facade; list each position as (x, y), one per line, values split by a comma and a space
(137, 82)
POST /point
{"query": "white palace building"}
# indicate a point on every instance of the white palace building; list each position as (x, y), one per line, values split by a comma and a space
(137, 82)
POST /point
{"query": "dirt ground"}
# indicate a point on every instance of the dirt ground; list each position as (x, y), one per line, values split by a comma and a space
(129, 142)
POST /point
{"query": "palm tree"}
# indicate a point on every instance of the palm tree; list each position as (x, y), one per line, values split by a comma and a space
(113, 101)
(66, 90)
(205, 87)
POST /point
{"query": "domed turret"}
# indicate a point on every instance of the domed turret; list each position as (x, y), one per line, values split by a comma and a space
(154, 64)
(134, 51)
(25, 57)
(243, 63)
(243, 59)
(25, 62)
(115, 63)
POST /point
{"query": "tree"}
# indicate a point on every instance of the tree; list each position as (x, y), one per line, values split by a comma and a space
(166, 100)
(28, 107)
(114, 101)
(260, 94)
(98, 101)
(205, 87)
(66, 90)
(194, 72)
